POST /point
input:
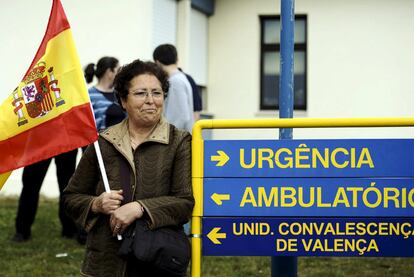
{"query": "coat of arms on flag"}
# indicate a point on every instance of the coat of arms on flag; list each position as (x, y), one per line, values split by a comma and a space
(39, 85)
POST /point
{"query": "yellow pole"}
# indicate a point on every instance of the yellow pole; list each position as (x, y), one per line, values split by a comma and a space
(197, 146)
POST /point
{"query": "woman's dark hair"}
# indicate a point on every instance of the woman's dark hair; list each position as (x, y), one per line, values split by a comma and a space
(127, 72)
(103, 64)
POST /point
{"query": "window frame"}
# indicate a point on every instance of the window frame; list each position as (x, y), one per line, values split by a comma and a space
(275, 47)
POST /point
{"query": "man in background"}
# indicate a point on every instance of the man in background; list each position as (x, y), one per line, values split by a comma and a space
(33, 176)
(197, 101)
(179, 102)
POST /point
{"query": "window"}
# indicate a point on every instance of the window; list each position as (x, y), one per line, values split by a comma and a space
(198, 46)
(164, 25)
(270, 62)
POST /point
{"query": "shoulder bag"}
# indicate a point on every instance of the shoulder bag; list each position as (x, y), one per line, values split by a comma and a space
(167, 248)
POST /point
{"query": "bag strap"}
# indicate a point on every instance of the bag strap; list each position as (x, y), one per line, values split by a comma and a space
(125, 176)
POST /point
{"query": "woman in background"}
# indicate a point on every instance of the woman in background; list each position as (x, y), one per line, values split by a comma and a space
(105, 107)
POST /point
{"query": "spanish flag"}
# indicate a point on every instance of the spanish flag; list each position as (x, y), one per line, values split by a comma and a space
(49, 112)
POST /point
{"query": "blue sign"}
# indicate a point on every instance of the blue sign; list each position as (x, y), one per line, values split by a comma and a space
(362, 237)
(309, 158)
(308, 197)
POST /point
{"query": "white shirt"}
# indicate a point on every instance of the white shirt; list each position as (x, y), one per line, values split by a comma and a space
(178, 108)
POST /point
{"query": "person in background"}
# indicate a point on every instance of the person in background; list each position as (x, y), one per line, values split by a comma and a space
(105, 107)
(197, 100)
(179, 104)
(33, 176)
(158, 156)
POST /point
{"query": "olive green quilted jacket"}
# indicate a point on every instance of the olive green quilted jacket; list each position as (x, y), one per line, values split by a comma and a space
(160, 180)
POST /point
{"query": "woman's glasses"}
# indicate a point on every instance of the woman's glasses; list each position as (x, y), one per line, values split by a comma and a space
(145, 94)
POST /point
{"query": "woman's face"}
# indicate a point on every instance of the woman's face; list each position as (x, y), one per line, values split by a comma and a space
(145, 100)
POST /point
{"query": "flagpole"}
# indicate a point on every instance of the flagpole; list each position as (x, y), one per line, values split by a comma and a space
(103, 172)
(102, 167)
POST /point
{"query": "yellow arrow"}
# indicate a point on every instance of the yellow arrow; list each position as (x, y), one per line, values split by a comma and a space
(214, 235)
(218, 198)
(221, 158)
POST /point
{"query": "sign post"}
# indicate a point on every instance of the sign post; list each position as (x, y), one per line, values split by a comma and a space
(286, 266)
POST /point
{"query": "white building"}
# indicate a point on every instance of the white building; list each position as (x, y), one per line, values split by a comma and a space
(353, 58)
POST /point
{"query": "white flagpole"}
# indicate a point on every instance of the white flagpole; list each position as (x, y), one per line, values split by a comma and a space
(101, 166)
(103, 171)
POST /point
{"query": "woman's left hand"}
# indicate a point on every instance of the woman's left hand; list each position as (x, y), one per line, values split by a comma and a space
(122, 217)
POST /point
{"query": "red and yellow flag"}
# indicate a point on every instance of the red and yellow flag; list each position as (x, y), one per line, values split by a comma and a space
(49, 113)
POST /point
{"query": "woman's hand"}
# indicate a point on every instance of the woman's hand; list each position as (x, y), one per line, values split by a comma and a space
(107, 202)
(124, 216)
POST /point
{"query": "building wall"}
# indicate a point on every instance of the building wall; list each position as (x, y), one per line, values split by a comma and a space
(122, 31)
(359, 63)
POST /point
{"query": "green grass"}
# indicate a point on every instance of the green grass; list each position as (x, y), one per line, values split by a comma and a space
(37, 257)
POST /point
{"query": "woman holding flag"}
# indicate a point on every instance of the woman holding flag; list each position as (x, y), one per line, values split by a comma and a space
(155, 187)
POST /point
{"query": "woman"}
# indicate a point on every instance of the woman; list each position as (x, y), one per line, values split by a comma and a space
(159, 158)
(107, 112)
